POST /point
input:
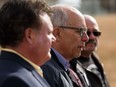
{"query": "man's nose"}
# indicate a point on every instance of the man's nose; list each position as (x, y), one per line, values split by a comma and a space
(85, 37)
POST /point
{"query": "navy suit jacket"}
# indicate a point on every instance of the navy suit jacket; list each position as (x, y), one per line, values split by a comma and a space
(55, 73)
(16, 72)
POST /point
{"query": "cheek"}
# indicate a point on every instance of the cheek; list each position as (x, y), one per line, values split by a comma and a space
(74, 43)
(76, 39)
(71, 41)
(44, 46)
(46, 42)
(97, 40)
(43, 43)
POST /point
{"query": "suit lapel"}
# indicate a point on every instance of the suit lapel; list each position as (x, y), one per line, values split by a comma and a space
(55, 58)
(14, 57)
(41, 80)
(61, 68)
(68, 78)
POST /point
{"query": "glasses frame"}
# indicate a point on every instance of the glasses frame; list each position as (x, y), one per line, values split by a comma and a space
(81, 30)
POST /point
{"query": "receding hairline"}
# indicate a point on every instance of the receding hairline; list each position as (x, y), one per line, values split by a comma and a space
(65, 8)
(89, 18)
(69, 10)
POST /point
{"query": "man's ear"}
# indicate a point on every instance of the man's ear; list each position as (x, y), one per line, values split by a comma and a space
(57, 32)
(29, 35)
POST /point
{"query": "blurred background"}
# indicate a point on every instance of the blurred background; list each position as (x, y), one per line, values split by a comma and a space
(105, 13)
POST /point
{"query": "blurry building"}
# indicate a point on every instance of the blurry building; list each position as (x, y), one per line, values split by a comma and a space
(93, 7)
(98, 6)
(109, 5)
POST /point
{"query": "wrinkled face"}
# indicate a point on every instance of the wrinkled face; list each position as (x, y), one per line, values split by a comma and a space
(93, 33)
(71, 41)
(43, 41)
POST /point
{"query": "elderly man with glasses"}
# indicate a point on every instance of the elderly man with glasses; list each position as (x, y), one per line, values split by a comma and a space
(89, 59)
(70, 32)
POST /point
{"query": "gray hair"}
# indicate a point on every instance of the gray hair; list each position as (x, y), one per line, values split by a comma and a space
(59, 17)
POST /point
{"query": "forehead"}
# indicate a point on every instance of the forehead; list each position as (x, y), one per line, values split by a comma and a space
(75, 19)
(46, 22)
(92, 27)
(92, 24)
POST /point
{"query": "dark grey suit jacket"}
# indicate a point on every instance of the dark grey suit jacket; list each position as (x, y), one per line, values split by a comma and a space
(16, 72)
(55, 73)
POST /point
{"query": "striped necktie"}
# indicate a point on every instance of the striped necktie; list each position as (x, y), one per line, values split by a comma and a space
(74, 77)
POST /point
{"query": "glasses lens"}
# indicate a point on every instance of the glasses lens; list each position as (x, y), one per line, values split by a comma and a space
(88, 33)
(81, 31)
(95, 33)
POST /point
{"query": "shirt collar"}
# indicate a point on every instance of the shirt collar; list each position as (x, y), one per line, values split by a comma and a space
(61, 59)
(37, 68)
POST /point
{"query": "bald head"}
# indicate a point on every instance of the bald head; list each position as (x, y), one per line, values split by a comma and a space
(64, 15)
(91, 22)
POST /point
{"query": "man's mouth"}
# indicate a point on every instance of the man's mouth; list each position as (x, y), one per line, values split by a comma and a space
(92, 42)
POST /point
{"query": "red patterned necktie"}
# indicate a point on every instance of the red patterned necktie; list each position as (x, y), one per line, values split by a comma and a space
(74, 77)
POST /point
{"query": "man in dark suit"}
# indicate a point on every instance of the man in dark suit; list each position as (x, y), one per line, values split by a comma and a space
(70, 33)
(25, 39)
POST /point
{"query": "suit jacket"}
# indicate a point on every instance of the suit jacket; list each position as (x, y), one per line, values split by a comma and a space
(80, 71)
(93, 78)
(55, 73)
(16, 72)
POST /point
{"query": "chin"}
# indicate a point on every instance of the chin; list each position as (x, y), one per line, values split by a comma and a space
(89, 49)
(93, 49)
(78, 55)
(48, 57)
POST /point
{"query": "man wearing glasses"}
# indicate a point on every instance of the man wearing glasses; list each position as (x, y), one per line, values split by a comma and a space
(70, 32)
(88, 57)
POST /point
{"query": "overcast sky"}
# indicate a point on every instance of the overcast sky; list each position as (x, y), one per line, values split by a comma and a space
(75, 3)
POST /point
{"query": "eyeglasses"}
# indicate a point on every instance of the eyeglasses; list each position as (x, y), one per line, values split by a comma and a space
(95, 33)
(81, 30)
